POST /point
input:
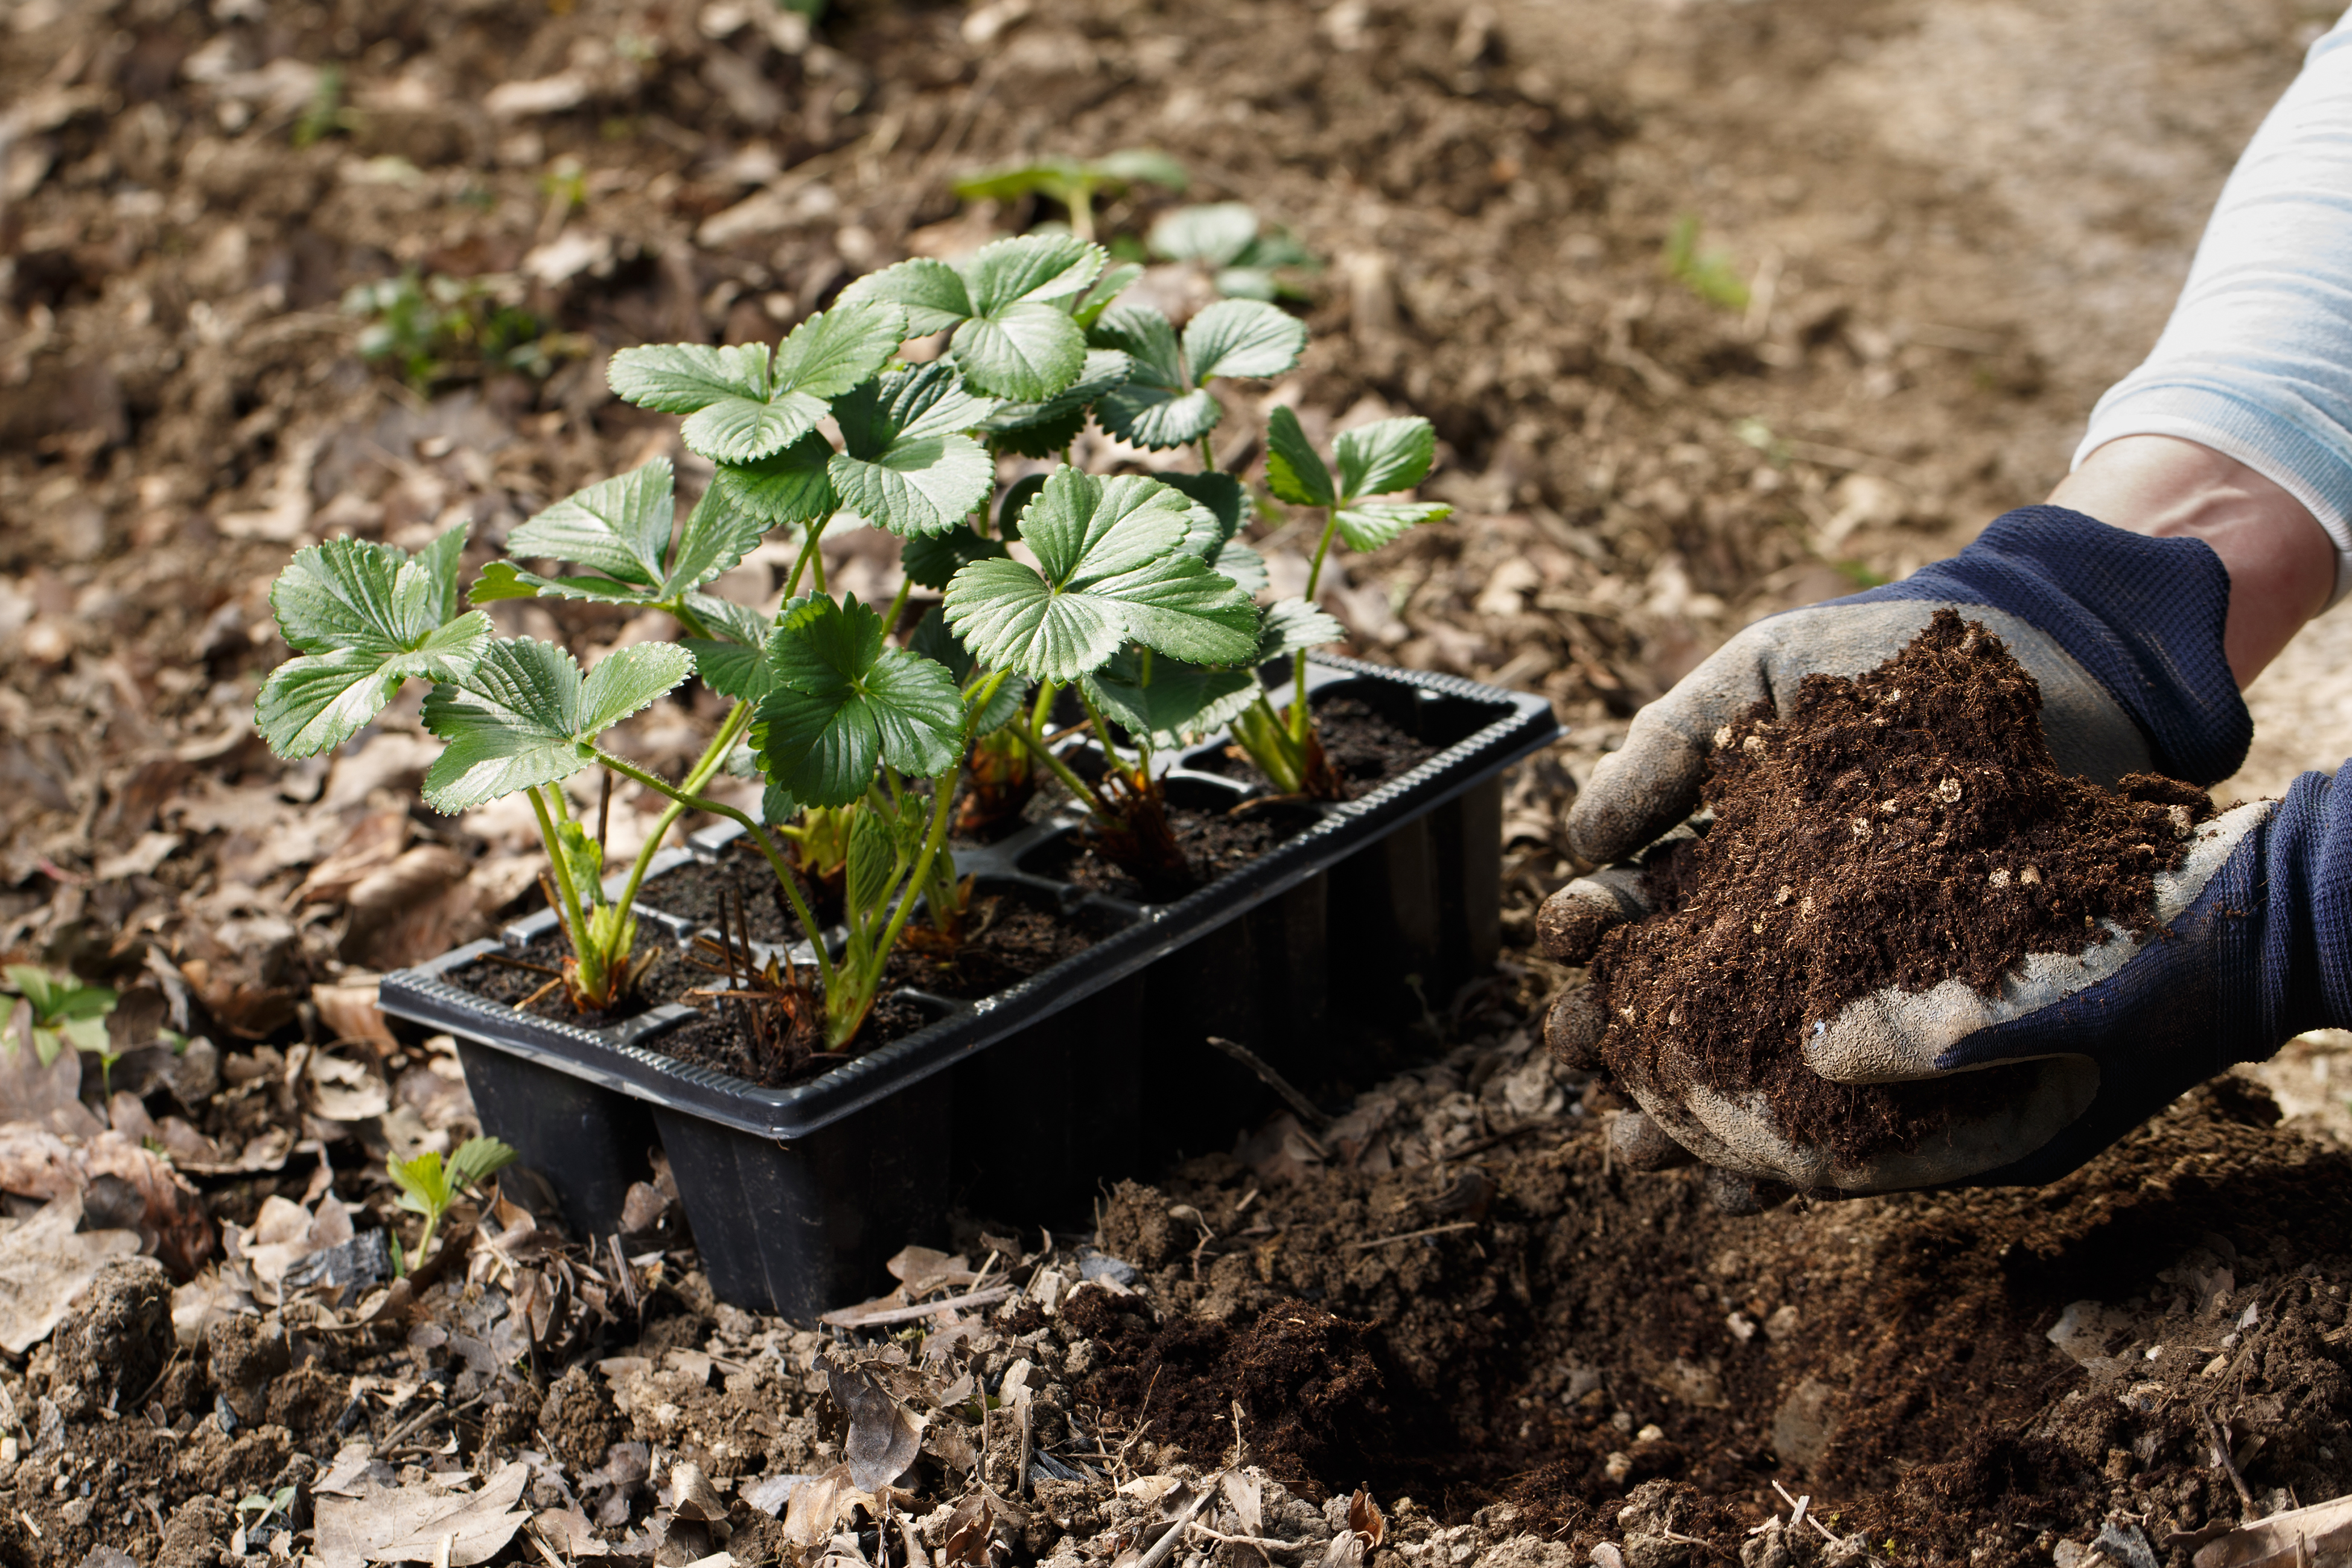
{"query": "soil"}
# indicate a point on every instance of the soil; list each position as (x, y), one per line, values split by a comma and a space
(665, 979)
(1212, 841)
(1898, 829)
(1362, 746)
(741, 876)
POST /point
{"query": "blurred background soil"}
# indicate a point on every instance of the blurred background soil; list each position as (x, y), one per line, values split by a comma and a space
(1925, 234)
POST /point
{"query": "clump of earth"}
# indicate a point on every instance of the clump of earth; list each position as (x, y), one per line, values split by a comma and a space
(1902, 828)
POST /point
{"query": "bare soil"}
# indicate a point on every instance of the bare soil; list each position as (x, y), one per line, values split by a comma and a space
(1899, 829)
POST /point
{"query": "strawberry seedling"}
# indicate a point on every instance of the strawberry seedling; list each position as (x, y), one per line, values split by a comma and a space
(60, 1011)
(429, 1186)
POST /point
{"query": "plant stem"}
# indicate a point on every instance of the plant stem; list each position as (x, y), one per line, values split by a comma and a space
(1077, 786)
(425, 1241)
(1102, 726)
(943, 790)
(1082, 211)
(567, 893)
(713, 756)
(809, 555)
(815, 933)
(1045, 709)
(1300, 721)
(1208, 458)
(898, 606)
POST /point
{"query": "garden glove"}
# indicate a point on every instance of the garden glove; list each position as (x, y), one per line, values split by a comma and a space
(2125, 635)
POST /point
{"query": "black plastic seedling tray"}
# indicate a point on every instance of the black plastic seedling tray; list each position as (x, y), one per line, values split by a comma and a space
(1320, 955)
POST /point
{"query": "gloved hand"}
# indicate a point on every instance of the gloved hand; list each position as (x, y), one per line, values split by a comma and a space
(2124, 634)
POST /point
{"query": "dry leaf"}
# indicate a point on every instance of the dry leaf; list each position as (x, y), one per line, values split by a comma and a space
(340, 1090)
(350, 1012)
(817, 1504)
(416, 1524)
(884, 1436)
(45, 1263)
(2320, 1536)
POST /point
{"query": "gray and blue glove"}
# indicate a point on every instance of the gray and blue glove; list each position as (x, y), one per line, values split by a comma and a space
(2124, 634)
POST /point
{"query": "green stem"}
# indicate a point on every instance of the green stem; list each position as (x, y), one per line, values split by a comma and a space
(1300, 721)
(714, 757)
(943, 790)
(1208, 458)
(1045, 709)
(767, 845)
(1061, 770)
(809, 555)
(1082, 211)
(1102, 726)
(425, 1242)
(566, 894)
(898, 606)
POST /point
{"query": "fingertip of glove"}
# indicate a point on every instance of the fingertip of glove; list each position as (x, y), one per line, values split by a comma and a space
(1740, 1195)
(1643, 1145)
(1571, 923)
(1573, 1026)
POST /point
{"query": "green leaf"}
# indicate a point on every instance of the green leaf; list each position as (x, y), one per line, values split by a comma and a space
(741, 408)
(843, 703)
(1293, 471)
(1368, 524)
(363, 619)
(1293, 626)
(930, 292)
(683, 378)
(1009, 337)
(620, 526)
(1018, 496)
(57, 999)
(1219, 504)
(732, 670)
(1114, 569)
(1391, 455)
(1212, 232)
(734, 623)
(902, 466)
(425, 1186)
(718, 532)
(477, 1159)
(789, 486)
(874, 865)
(1157, 409)
(933, 640)
(932, 559)
(1244, 567)
(1143, 165)
(584, 859)
(1041, 429)
(1107, 288)
(1012, 697)
(525, 715)
(1243, 338)
(1178, 705)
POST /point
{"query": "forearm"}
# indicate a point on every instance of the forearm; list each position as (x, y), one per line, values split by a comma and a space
(2237, 429)
(2282, 564)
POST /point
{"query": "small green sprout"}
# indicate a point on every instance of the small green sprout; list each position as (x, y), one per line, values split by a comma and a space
(65, 1012)
(438, 329)
(428, 1187)
(1074, 181)
(1375, 460)
(1224, 237)
(1709, 274)
(325, 113)
(277, 1505)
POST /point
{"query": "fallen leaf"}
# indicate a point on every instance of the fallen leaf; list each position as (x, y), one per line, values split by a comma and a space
(417, 1524)
(45, 1263)
(884, 1436)
(2320, 1535)
(350, 1012)
(818, 1503)
(340, 1090)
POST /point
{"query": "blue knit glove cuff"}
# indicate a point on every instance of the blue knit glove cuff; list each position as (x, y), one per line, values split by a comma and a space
(2143, 617)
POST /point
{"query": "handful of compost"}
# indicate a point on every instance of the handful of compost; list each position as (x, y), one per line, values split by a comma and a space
(1813, 991)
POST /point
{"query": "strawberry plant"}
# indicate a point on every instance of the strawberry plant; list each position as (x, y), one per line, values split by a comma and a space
(1371, 462)
(60, 1011)
(1132, 597)
(1224, 238)
(1074, 181)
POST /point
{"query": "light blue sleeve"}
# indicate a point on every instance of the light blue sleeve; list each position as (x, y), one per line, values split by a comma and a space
(2256, 360)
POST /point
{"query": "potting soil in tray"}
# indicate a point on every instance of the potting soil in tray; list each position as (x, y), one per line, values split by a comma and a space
(1900, 829)
(1363, 747)
(1008, 941)
(1213, 839)
(665, 979)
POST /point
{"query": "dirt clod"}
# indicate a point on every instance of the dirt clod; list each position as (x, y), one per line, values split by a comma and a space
(111, 1350)
(1899, 829)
